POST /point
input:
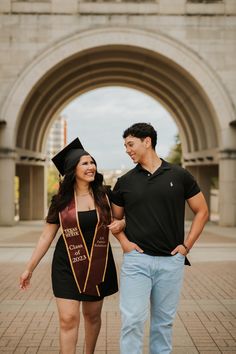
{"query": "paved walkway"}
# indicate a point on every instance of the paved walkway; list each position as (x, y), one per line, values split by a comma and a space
(206, 319)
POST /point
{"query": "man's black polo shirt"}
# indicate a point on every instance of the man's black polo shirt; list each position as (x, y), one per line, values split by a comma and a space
(154, 206)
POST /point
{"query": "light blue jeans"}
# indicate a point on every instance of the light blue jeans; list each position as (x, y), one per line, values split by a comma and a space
(149, 280)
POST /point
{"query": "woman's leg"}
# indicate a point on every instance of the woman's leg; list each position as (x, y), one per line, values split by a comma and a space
(69, 324)
(92, 323)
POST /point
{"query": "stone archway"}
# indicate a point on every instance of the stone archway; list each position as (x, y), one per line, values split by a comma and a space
(152, 63)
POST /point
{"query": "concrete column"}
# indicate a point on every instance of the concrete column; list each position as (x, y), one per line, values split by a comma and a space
(39, 194)
(32, 204)
(227, 183)
(7, 190)
(25, 191)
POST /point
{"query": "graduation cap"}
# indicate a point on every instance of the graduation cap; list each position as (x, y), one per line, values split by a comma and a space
(69, 156)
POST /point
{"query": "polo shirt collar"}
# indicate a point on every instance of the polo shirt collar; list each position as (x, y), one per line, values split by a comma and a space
(164, 166)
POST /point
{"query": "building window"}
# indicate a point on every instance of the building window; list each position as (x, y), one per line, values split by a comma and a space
(122, 1)
(47, 1)
(204, 1)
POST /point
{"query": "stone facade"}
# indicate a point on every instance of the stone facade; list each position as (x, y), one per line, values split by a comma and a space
(180, 51)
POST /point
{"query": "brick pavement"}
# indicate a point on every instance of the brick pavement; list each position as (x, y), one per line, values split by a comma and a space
(205, 322)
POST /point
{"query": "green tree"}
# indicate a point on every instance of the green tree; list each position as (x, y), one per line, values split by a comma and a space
(53, 183)
(175, 154)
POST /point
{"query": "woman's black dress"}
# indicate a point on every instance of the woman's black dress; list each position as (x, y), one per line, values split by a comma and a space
(63, 282)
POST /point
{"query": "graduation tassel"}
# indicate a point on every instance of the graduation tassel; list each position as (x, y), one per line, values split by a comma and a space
(59, 179)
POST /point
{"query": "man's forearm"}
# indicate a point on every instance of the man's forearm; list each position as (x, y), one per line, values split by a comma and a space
(196, 228)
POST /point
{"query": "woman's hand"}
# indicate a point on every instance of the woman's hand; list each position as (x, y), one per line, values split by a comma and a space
(25, 279)
(44, 242)
(117, 226)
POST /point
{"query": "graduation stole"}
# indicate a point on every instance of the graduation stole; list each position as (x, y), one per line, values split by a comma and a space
(88, 269)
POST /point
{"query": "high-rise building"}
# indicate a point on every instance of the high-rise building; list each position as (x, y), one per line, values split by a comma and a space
(56, 138)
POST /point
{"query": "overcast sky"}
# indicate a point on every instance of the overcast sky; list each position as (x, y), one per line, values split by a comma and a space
(100, 116)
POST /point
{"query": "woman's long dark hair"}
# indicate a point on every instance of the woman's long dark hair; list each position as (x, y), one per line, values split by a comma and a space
(66, 193)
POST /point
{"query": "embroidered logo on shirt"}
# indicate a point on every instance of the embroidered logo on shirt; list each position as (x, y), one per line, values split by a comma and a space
(171, 184)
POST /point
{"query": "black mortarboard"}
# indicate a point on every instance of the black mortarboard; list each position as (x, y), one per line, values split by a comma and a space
(69, 156)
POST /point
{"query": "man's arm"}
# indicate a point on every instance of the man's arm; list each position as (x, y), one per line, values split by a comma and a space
(127, 246)
(199, 206)
(118, 222)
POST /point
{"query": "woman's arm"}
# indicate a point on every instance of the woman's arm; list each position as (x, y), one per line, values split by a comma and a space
(45, 240)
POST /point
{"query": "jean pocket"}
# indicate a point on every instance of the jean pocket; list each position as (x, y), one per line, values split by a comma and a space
(130, 252)
(179, 256)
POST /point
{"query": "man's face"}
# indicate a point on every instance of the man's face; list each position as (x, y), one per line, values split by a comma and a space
(136, 148)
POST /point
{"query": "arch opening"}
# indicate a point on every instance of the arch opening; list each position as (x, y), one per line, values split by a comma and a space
(122, 66)
(119, 66)
(149, 62)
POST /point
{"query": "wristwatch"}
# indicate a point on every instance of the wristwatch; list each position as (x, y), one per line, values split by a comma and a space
(186, 248)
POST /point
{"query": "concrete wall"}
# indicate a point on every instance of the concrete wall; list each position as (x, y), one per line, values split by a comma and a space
(28, 27)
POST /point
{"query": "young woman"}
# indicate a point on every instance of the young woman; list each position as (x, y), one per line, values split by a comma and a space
(83, 269)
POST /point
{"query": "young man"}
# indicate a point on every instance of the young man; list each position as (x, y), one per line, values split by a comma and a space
(152, 198)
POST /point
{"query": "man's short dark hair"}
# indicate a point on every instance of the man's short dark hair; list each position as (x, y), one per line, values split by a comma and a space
(141, 131)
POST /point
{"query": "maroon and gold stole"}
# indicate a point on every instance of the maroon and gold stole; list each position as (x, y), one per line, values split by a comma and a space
(88, 269)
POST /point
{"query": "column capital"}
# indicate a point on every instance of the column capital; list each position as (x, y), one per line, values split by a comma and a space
(227, 154)
(7, 153)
